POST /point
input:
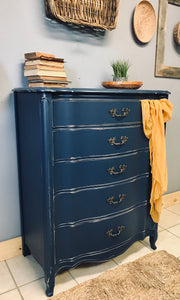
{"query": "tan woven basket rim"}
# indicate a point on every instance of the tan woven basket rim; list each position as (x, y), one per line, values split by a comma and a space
(95, 13)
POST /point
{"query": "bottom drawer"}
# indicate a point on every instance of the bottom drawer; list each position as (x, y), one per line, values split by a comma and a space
(98, 234)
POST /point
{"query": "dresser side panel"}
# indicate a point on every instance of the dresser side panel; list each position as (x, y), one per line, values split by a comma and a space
(30, 163)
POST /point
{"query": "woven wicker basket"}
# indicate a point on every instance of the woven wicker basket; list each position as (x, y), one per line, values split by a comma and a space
(96, 13)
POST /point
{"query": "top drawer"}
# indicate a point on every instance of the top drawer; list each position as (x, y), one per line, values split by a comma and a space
(95, 112)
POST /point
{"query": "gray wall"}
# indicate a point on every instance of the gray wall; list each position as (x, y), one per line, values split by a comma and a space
(24, 28)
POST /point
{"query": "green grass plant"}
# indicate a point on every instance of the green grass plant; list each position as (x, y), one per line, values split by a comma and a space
(120, 68)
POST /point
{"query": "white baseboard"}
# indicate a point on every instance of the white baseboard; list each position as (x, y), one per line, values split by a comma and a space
(12, 248)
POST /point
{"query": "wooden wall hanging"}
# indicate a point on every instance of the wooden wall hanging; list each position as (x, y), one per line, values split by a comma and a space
(160, 69)
(144, 21)
(95, 13)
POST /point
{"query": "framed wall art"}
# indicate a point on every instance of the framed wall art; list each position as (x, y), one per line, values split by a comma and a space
(160, 69)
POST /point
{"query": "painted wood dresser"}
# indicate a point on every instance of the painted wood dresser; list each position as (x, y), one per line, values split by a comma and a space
(84, 175)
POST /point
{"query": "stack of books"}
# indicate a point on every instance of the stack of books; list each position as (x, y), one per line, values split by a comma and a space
(44, 70)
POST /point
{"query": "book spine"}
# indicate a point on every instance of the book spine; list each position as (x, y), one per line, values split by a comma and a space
(47, 85)
(44, 62)
(37, 54)
(45, 78)
(44, 73)
(43, 67)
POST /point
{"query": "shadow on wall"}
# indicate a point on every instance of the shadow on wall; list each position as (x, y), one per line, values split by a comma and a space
(5, 85)
(69, 31)
(176, 46)
(24, 81)
(9, 197)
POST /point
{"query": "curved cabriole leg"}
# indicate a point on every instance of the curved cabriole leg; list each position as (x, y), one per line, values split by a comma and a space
(49, 291)
(50, 282)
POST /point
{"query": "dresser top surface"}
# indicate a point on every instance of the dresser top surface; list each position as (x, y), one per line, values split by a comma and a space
(88, 91)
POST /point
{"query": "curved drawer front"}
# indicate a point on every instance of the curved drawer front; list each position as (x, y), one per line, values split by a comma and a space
(81, 204)
(87, 172)
(97, 141)
(95, 112)
(90, 237)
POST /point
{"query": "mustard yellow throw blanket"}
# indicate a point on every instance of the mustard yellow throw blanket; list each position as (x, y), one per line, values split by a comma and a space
(155, 113)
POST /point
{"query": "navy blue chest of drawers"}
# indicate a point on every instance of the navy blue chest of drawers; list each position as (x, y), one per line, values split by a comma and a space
(84, 175)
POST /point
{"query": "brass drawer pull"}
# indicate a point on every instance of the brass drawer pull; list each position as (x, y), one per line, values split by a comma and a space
(112, 141)
(110, 200)
(112, 171)
(114, 114)
(111, 234)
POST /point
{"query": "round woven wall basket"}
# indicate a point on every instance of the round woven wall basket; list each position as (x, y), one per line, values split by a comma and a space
(176, 33)
(144, 21)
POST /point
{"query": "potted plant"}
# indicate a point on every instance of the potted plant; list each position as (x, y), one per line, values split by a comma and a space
(120, 69)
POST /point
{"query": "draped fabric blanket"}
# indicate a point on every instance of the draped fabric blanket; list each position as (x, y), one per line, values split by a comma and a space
(154, 114)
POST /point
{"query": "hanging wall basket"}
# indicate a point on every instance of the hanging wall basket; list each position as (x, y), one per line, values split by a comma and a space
(95, 13)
